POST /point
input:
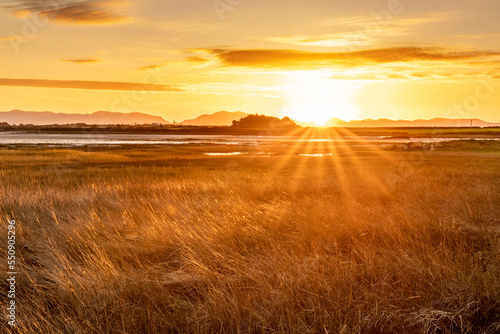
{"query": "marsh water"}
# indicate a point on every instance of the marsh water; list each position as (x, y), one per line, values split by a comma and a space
(58, 139)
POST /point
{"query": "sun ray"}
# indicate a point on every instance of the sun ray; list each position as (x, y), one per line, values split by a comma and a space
(374, 149)
(292, 151)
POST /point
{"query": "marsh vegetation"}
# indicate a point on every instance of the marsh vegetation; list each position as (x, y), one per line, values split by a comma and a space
(171, 240)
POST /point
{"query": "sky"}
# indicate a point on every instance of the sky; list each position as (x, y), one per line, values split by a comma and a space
(309, 60)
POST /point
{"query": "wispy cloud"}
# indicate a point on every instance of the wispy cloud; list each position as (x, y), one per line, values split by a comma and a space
(10, 38)
(362, 21)
(359, 30)
(326, 40)
(82, 61)
(150, 67)
(70, 12)
(193, 60)
(90, 85)
(270, 58)
(224, 88)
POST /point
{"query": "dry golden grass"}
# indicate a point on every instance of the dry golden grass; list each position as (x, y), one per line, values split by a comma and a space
(117, 241)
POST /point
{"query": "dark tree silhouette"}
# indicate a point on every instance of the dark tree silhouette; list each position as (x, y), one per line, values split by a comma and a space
(262, 121)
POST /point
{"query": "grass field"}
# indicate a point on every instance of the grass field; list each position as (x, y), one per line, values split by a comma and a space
(171, 240)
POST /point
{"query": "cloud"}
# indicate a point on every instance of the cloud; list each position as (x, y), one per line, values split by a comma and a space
(364, 21)
(90, 85)
(150, 67)
(195, 59)
(10, 38)
(272, 58)
(361, 30)
(192, 59)
(224, 88)
(70, 12)
(420, 75)
(326, 40)
(396, 76)
(82, 61)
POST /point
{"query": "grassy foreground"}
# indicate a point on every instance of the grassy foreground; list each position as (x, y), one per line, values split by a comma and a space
(169, 240)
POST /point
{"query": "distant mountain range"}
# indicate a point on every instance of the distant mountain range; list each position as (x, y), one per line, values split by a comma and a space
(220, 118)
(435, 122)
(99, 117)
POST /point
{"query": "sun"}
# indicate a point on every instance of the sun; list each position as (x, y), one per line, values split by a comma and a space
(315, 97)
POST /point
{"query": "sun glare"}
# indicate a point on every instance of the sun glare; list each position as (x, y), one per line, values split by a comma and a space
(315, 97)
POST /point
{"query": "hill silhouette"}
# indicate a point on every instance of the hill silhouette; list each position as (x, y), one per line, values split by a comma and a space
(435, 122)
(221, 118)
(99, 117)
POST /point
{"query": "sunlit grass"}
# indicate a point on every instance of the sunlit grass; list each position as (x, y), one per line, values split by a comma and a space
(173, 241)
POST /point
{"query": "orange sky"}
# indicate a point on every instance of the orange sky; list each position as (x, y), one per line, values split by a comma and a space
(310, 60)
